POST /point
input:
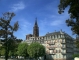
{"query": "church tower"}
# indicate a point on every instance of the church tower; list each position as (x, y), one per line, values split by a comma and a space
(36, 29)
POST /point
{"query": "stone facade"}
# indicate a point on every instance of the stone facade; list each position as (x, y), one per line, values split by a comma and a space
(59, 45)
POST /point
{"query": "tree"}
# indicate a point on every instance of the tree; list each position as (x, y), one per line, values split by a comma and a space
(76, 55)
(73, 6)
(22, 49)
(6, 30)
(73, 21)
(12, 47)
(2, 51)
(36, 50)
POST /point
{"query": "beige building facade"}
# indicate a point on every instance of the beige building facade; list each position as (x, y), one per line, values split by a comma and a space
(59, 45)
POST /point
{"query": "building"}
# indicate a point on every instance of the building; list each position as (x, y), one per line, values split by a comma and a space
(59, 45)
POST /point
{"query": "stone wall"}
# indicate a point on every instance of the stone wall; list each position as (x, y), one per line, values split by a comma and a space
(76, 58)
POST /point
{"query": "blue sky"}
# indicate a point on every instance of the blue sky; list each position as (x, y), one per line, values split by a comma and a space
(26, 11)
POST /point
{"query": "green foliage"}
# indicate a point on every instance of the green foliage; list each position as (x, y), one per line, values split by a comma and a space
(5, 27)
(12, 47)
(36, 50)
(6, 30)
(12, 53)
(75, 55)
(77, 43)
(12, 44)
(22, 49)
(73, 6)
(2, 51)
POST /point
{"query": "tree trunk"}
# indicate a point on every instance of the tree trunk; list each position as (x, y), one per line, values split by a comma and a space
(6, 52)
(6, 46)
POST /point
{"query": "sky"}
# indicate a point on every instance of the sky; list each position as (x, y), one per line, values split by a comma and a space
(26, 11)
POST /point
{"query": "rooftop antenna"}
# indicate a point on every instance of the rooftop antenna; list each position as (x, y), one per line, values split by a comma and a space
(55, 30)
(61, 31)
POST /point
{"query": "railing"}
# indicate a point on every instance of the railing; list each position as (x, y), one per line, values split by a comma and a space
(63, 47)
(50, 43)
(63, 53)
(69, 51)
(69, 47)
(51, 48)
(52, 53)
(63, 42)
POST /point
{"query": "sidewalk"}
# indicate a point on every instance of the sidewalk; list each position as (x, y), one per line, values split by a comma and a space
(14, 59)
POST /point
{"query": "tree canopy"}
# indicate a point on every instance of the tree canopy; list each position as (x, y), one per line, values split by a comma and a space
(7, 30)
(36, 50)
(73, 6)
(22, 49)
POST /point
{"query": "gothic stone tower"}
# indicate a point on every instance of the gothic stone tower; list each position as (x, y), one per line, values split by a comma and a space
(36, 29)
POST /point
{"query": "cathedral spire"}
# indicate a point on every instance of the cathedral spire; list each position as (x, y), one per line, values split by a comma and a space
(36, 22)
(36, 29)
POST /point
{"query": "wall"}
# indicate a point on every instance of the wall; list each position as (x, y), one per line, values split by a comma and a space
(76, 58)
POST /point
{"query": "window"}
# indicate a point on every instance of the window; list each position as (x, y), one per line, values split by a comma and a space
(63, 40)
(54, 56)
(47, 37)
(59, 46)
(63, 45)
(55, 37)
(63, 51)
(64, 56)
(54, 51)
(36, 38)
(57, 55)
(61, 36)
(51, 51)
(52, 37)
(60, 56)
(58, 40)
(59, 51)
(58, 36)
(44, 38)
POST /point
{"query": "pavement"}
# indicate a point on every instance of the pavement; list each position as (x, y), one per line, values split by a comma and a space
(14, 59)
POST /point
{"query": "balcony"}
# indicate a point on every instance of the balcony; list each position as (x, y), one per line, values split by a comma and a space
(69, 47)
(48, 42)
(63, 42)
(51, 43)
(63, 47)
(63, 53)
(69, 51)
(51, 48)
(52, 53)
(47, 52)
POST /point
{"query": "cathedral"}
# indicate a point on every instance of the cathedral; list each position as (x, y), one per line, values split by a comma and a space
(35, 31)
(59, 45)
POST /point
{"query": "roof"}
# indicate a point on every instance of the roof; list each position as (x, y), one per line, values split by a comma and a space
(55, 33)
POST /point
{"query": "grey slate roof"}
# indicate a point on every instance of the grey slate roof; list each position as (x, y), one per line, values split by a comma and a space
(54, 33)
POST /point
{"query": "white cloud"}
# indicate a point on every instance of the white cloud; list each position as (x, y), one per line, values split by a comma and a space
(18, 6)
